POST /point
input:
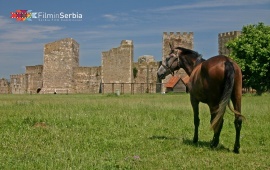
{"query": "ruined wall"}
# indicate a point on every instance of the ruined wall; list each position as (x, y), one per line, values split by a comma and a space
(34, 78)
(4, 86)
(146, 58)
(184, 39)
(61, 71)
(60, 58)
(223, 38)
(87, 79)
(146, 77)
(19, 83)
(147, 74)
(117, 66)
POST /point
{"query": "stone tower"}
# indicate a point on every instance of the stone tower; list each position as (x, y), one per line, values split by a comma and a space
(4, 86)
(117, 65)
(223, 38)
(177, 39)
(34, 74)
(60, 58)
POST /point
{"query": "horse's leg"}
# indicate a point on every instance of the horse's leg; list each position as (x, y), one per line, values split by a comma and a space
(236, 99)
(215, 140)
(195, 106)
(238, 126)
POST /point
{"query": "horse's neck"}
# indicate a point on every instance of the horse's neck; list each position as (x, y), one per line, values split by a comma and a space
(191, 64)
(199, 60)
(188, 70)
(188, 64)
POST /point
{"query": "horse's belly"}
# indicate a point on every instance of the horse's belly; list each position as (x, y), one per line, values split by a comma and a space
(199, 94)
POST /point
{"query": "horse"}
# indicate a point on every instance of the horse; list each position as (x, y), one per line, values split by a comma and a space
(214, 82)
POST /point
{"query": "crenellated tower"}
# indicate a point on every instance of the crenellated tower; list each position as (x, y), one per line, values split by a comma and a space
(177, 39)
(224, 38)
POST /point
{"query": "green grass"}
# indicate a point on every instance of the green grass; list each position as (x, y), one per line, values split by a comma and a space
(126, 132)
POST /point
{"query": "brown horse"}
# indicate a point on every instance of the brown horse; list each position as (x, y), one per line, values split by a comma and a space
(214, 81)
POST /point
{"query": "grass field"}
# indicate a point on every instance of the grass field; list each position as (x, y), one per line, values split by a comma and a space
(150, 131)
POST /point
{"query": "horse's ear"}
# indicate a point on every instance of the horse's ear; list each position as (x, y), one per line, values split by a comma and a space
(171, 46)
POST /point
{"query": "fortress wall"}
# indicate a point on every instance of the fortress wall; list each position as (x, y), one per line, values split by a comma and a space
(117, 65)
(87, 79)
(34, 78)
(223, 39)
(61, 71)
(4, 86)
(60, 58)
(19, 83)
(178, 39)
(146, 73)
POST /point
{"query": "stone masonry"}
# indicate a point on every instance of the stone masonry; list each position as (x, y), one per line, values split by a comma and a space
(19, 83)
(61, 72)
(60, 58)
(34, 78)
(146, 77)
(223, 38)
(117, 66)
(4, 86)
(87, 79)
(177, 39)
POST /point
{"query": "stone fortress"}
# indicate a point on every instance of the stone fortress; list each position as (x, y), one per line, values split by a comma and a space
(61, 73)
(223, 38)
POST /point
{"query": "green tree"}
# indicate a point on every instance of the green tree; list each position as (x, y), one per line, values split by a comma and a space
(251, 50)
(135, 71)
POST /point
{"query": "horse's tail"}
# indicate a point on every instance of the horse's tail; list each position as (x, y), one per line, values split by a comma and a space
(226, 95)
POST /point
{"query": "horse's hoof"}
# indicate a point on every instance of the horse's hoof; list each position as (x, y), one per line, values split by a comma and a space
(236, 150)
(214, 144)
(195, 140)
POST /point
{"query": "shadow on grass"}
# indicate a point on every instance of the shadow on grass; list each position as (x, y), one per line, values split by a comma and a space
(199, 144)
(155, 137)
(205, 144)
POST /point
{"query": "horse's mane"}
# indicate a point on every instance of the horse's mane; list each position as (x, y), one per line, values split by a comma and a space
(186, 51)
(191, 53)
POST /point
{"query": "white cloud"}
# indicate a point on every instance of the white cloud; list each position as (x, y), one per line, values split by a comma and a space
(13, 32)
(212, 4)
(110, 17)
(19, 37)
(21, 44)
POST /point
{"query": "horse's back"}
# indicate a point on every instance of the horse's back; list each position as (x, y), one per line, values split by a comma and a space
(213, 68)
(207, 80)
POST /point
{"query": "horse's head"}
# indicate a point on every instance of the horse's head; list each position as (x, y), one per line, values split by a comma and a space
(179, 58)
(170, 63)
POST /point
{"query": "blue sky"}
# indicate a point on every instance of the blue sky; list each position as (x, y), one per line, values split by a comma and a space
(106, 22)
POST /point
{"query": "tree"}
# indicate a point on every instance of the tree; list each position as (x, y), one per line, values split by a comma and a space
(135, 71)
(251, 50)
